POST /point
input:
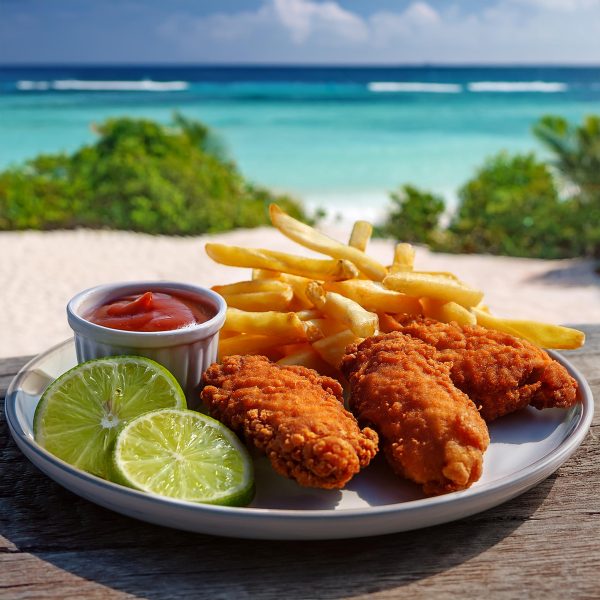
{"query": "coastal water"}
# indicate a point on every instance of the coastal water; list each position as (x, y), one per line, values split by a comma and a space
(338, 137)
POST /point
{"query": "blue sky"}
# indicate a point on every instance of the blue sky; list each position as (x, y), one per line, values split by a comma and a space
(300, 31)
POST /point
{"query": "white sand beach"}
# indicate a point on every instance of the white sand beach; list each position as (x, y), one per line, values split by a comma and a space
(41, 271)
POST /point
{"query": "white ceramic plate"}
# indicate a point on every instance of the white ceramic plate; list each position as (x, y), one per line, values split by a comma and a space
(526, 448)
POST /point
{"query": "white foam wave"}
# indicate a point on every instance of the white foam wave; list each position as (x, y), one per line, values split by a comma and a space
(406, 86)
(145, 85)
(33, 85)
(546, 87)
(414, 87)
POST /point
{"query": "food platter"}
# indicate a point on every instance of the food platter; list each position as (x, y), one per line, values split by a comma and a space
(526, 447)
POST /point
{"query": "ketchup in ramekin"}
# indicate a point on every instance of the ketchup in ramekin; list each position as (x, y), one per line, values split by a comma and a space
(176, 324)
(150, 311)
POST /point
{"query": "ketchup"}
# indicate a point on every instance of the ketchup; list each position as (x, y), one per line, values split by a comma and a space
(150, 311)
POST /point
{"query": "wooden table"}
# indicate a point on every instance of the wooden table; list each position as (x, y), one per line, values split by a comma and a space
(543, 544)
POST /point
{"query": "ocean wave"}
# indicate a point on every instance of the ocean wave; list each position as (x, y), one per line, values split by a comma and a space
(27, 86)
(546, 87)
(145, 85)
(415, 87)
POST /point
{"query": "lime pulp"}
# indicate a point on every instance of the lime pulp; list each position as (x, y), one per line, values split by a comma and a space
(185, 455)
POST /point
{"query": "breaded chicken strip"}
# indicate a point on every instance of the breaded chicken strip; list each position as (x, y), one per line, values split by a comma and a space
(430, 431)
(499, 372)
(292, 414)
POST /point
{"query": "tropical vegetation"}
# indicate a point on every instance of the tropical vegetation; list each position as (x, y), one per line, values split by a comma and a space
(517, 205)
(141, 176)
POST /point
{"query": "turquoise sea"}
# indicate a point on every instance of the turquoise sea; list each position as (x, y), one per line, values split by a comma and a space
(338, 137)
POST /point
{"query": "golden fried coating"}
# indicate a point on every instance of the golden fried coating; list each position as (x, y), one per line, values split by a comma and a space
(430, 431)
(499, 372)
(292, 414)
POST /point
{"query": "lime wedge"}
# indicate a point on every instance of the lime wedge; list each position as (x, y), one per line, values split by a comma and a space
(185, 455)
(79, 414)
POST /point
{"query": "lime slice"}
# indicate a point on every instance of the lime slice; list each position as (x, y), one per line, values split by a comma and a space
(185, 455)
(78, 416)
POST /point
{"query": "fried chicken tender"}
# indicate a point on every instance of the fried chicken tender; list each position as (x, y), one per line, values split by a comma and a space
(499, 372)
(292, 414)
(430, 431)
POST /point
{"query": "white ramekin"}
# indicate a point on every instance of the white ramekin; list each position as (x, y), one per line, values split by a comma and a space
(186, 352)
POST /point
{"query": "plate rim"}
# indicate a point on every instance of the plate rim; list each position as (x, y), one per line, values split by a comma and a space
(552, 460)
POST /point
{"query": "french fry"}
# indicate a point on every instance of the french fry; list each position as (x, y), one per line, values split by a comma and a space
(223, 335)
(265, 274)
(280, 324)
(484, 307)
(445, 274)
(247, 344)
(335, 306)
(261, 301)
(332, 348)
(309, 358)
(316, 294)
(544, 335)
(255, 285)
(387, 323)
(375, 297)
(308, 314)
(306, 357)
(361, 234)
(313, 239)
(297, 283)
(404, 258)
(288, 349)
(327, 327)
(433, 286)
(257, 258)
(446, 312)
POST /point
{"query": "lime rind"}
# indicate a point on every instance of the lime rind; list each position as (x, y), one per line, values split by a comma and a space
(185, 455)
(80, 413)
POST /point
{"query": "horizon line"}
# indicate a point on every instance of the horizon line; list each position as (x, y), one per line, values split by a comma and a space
(266, 65)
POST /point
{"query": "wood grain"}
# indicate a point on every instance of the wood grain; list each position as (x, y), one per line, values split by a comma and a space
(545, 543)
(9, 367)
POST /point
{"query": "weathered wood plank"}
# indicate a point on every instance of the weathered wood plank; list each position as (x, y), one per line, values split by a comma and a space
(9, 367)
(27, 576)
(546, 542)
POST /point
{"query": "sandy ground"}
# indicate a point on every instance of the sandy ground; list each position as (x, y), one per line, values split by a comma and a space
(41, 271)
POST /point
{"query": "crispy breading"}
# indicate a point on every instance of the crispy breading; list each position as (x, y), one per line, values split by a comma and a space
(292, 414)
(430, 431)
(499, 372)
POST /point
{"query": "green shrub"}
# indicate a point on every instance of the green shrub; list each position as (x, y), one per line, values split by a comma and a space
(576, 158)
(512, 207)
(414, 216)
(139, 176)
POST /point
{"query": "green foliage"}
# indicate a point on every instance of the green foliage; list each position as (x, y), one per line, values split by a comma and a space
(139, 176)
(511, 207)
(576, 157)
(414, 216)
(576, 151)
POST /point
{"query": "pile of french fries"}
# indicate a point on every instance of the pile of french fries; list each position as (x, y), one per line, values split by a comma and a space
(305, 311)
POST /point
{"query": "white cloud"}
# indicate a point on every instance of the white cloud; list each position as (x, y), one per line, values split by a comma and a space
(422, 14)
(393, 28)
(302, 18)
(510, 31)
(560, 5)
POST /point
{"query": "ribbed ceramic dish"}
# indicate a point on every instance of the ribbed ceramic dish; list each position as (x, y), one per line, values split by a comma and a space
(186, 352)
